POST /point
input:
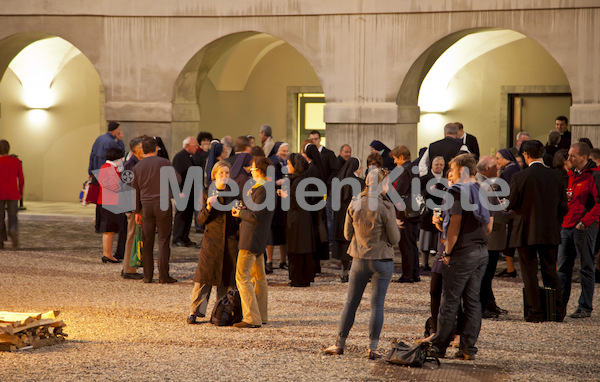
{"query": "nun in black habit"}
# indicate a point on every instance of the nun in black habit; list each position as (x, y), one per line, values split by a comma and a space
(340, 244)
(299, 228)
(316, 171)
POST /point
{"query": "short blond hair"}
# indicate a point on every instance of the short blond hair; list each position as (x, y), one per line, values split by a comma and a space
(219, 165)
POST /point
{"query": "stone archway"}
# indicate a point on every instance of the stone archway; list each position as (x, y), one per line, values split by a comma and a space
(483, 64)
(52, 134)
(237, 83)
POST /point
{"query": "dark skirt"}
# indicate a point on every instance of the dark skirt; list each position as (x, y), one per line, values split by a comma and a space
(277, 235)
(107, 221)
(428, 240)
(301, 267)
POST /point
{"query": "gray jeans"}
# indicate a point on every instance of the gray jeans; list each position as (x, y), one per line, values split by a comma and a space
(462, 280)
(11, 207)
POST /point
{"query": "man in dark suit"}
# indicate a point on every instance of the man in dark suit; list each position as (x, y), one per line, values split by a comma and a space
(468, 140)
(539, 202)
(345, 154)
(330, 166)
(182, 222)
(408, 244)
(446, 148)
(250, 275)
(146, 182)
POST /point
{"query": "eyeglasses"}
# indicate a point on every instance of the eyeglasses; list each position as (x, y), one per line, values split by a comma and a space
(253, 169)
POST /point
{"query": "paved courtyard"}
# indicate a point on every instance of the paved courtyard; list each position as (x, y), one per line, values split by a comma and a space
(126, 330)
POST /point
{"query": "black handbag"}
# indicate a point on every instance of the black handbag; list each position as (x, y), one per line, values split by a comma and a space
(227, 310)
(416, 356)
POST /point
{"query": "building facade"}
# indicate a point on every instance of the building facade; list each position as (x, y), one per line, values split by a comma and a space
(174, 68)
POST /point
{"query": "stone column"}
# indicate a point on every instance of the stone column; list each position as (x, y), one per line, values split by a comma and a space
(585, 122)
(138, 118)
(358, 125)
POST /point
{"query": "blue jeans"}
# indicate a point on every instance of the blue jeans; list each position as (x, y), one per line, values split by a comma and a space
(380, 273)
(577, 243)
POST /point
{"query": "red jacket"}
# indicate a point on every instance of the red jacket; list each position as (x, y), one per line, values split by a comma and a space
(11, 178)
(584, 205)
(110, 184)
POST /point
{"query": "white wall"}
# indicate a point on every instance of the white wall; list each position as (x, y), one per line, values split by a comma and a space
(476, 92)
(54, 144)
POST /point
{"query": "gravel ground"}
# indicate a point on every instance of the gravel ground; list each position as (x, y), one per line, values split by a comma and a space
(126, 330)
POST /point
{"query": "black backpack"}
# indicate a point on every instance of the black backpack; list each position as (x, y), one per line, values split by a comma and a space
(416, 356)
(227, 310)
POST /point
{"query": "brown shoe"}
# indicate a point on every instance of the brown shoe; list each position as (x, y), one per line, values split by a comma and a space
(462, 355)
(333, 350)
(168, 280)
(244, 325)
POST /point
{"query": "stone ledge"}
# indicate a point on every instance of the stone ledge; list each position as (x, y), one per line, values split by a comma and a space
(138, 111)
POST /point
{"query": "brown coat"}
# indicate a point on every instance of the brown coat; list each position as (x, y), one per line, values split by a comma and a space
(218, 255)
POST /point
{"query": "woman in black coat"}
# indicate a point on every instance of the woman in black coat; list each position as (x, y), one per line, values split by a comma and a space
(299, 230)
(340, 245)
(218, 254)
(316, 171)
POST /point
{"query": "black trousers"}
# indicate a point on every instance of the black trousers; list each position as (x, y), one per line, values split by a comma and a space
(409, 250)
(529, 267)
(182, 222)
(488, 301)
(122, 240)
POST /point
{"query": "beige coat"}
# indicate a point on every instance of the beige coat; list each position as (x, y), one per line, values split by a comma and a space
(371, 233)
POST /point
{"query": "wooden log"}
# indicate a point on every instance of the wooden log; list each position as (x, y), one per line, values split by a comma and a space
(15, 317)
(10, 339)
(6, 329)
(7, 347)
(48, 321)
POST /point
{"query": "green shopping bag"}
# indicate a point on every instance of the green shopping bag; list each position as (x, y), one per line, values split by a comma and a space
(135, 260)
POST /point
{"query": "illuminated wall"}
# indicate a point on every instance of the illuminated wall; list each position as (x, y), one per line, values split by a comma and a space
(54, 143)
(263, 98)
(473, 91)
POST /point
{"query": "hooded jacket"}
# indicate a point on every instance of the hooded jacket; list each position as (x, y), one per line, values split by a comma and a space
(584, 205)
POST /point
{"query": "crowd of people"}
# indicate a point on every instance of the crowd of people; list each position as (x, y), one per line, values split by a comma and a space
(542, 202)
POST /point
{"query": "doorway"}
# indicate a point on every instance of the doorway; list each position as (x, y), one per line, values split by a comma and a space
(535, 113)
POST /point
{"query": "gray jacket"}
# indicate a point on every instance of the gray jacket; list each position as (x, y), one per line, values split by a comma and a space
(371, 233)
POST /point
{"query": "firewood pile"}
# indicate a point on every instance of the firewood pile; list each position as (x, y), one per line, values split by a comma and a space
(19, 331)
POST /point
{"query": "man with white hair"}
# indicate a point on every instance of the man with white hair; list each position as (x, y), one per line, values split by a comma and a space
(266, 139)
(487, 170)
(227, 142)
(182, 161)
(523, 136)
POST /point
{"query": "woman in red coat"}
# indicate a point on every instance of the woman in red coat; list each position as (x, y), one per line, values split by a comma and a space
(11, 191)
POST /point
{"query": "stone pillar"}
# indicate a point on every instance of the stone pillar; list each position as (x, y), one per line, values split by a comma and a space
(358, 125)
(186, 122)
(585, 122)
(139, 118)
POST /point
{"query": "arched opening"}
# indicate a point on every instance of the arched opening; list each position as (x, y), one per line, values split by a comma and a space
(51, 100)
(497, 82)
(242, 81)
